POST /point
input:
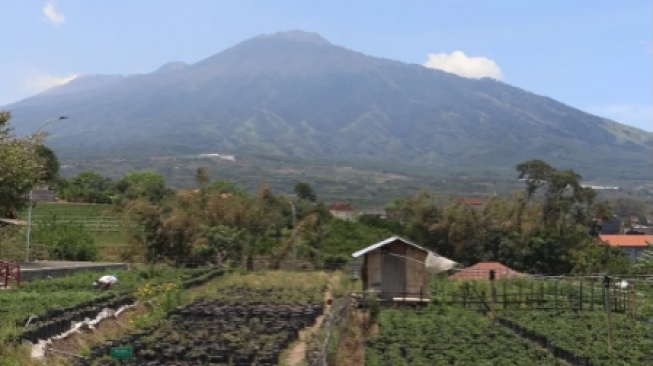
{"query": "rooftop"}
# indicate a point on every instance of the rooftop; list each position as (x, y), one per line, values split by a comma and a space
(471, 201)
(481, 270)
(627, 240)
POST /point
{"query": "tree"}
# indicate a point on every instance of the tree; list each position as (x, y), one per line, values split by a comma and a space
(304, 191)
(87, 186)
(50, 161)
(564, 200)
(145, 184)
(202, 177)
(21, 167)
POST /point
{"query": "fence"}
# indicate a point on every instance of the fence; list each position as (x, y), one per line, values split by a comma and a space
(541, 294)
(318, 354)
(9, 272)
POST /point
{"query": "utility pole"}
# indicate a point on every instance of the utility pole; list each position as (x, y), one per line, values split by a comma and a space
(29, 226)
(31, 191)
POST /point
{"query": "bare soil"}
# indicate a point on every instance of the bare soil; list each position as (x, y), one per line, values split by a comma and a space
(352, 340)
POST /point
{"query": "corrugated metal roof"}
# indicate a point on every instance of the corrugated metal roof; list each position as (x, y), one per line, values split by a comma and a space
(627, 240)
(384, 243)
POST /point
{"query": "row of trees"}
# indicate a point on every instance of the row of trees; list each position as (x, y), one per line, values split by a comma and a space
(544, 228)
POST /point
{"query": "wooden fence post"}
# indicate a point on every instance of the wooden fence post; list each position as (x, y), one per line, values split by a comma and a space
(633, 303)
(541, 302)
(493, 296)
(581, 295)
(555, 297)
(606, 286)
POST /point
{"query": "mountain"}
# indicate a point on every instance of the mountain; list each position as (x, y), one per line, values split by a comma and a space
(294, 94)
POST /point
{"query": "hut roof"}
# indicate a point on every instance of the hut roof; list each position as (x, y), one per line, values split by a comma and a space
(481, 270)
(384, 243)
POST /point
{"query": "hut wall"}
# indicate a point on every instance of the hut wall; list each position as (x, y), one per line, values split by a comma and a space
(374, 269)
(416, 276)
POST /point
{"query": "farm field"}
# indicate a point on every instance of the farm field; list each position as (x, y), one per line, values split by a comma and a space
(239, 320)
(235, 319)
(448, 336)
(585, 334)
(255, 318)
(46, 299)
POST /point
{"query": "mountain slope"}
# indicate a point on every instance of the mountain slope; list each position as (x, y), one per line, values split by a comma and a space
(295, 94)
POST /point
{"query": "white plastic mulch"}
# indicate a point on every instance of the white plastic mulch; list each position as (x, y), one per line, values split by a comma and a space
(38, 349)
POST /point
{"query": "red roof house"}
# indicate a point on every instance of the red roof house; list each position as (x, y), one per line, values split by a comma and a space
(472, 201)
(633, 245)
(481, 271)
(342, 210)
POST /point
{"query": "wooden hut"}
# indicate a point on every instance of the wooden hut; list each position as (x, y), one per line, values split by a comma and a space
(395, 269)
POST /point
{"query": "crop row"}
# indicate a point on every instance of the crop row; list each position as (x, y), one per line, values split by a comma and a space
(272, 295)
(448, 336)
(585, 335)
(61, 320)
(216, 332)
(49, 306)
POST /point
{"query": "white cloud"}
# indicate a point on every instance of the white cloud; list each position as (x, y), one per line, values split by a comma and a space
(52, 14)
(39, 82)
(460, 64)
(633, 114)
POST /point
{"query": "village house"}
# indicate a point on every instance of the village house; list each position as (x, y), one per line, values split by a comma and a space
(343, 211)
(474, 202)
(633, 245)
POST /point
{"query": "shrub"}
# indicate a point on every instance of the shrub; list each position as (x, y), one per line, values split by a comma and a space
(66, 241)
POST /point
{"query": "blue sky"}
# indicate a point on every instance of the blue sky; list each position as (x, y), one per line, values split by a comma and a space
(595, 55)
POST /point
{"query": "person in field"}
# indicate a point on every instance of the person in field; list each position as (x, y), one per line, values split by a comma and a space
(105, 282)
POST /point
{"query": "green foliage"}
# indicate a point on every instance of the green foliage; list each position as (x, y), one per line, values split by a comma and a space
(346, 237)
(144, 184)
(600, 258)
(304, 191)
(66, 241)
(586, 335)
(51, 163)
(21, 167)
(445, 336)
(87, 186)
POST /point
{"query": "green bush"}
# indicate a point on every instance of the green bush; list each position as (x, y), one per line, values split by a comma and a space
(66, 241)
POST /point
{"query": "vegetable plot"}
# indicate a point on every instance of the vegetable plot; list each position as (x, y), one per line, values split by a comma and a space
(448, 336)
(585, 335)
(215, 332)
(49, 306)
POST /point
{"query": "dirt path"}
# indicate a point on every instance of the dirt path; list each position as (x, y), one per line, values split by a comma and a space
(297, 351)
